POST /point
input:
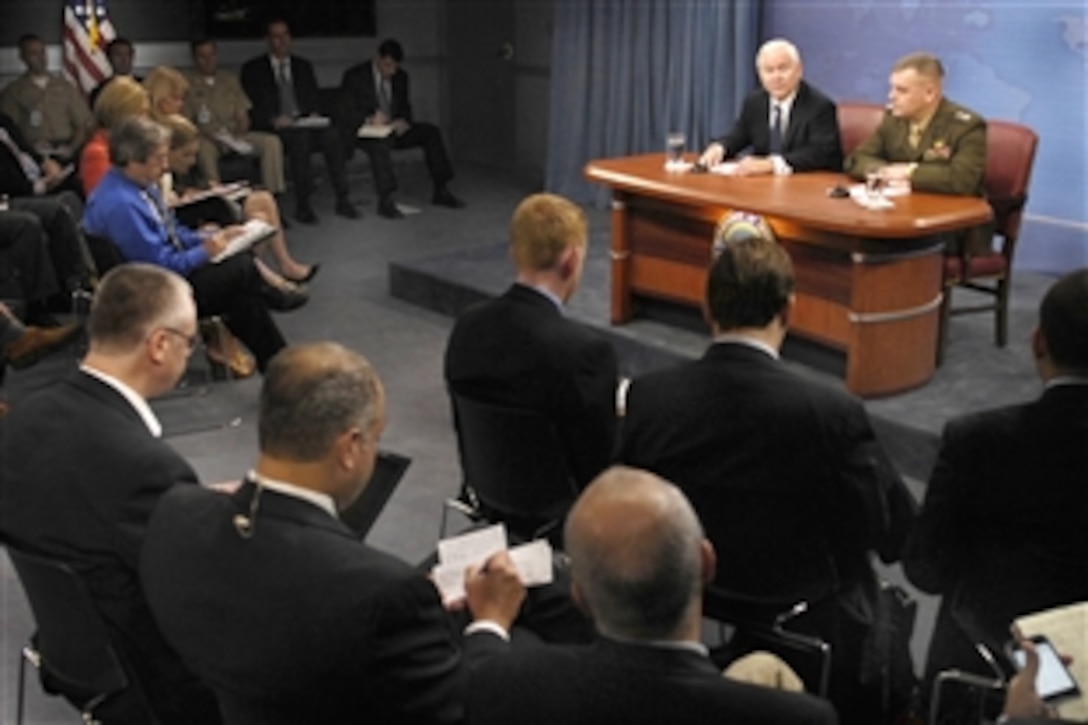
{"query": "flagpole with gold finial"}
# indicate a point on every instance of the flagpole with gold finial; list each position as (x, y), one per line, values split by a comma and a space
(92, 25)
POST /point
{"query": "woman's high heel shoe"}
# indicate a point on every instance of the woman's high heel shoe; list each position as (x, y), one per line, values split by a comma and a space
(284, 296)
(305, 278)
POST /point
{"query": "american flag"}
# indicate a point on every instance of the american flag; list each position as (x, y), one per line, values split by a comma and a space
(87, 31)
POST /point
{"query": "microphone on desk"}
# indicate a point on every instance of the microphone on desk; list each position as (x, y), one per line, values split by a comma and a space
(245, 524)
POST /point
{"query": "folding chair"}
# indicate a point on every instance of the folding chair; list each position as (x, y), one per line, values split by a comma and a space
(514, 469)
(71, 648)
(761, 623)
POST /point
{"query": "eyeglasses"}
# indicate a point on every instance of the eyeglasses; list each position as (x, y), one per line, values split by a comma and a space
(190, 340)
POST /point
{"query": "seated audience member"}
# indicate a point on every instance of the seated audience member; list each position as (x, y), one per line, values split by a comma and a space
(638, 564)
(785, 473)
(48, 108)
(121, 100)
(220, 108)
(90, 467)
(283, 89)
(25, 265)
(24, 171)
(127, 208)
(167, 90)
(1001, 530)
(120, 53)
(788, 125)
(36, 185)
(376, 93)
(518, 350)
(273, 600)
(187, 179)
(927, 141)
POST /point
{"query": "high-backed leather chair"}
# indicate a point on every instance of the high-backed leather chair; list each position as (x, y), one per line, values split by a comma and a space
(1010, 155)
(857, 120)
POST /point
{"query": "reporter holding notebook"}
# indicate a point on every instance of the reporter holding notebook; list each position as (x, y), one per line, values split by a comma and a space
(127, 208)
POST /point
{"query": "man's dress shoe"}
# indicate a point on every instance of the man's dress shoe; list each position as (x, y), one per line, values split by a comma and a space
(388, 210)
(443, 197)
(346, 209)
(306, 215)
(37, 342)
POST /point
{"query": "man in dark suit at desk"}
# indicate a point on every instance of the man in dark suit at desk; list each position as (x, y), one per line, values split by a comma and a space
(376, 93)
(1001, 531)
(786, 474)
(519, 349)
(638, 564)
(277, 604)
(283, 89)
(87, 466)
(788, 125)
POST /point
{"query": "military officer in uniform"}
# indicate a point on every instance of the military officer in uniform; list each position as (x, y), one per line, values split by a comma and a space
(220, 108)
(927, 140)
(48, 109)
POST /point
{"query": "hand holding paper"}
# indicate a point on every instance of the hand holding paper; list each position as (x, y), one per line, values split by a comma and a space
(493, 591)
(532, 562)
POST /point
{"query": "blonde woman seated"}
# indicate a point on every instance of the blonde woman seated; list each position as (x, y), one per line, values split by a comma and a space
(187, 181)
(166, 88)
(122, 99)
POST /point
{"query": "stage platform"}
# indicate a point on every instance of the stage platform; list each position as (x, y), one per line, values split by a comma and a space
(976, 374)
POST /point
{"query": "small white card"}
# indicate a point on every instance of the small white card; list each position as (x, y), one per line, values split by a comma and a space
(725, 168)
(475, 547)
(533, 560)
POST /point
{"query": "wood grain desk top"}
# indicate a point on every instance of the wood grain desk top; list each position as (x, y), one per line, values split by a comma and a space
(801, 198)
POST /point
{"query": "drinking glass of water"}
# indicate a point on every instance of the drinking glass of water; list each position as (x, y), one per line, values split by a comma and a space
(675, 145)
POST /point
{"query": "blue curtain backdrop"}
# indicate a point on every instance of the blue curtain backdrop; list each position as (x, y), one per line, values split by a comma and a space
(626, 72)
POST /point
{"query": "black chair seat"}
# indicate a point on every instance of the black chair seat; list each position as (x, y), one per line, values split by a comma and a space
(514, 469)
(71, 648)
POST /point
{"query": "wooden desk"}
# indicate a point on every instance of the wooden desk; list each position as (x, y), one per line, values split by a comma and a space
(868, 282)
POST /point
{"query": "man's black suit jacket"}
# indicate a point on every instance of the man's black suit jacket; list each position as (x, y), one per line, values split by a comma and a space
(520, 351)
(1001, 531)
(301, 622)
(786, 474)
(811, 141)
(612, 682)
(80, 479)
(259, 82)
(13, 180)
(359, 95)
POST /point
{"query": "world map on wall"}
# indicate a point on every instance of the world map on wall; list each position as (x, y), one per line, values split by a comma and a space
(1022, 61)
